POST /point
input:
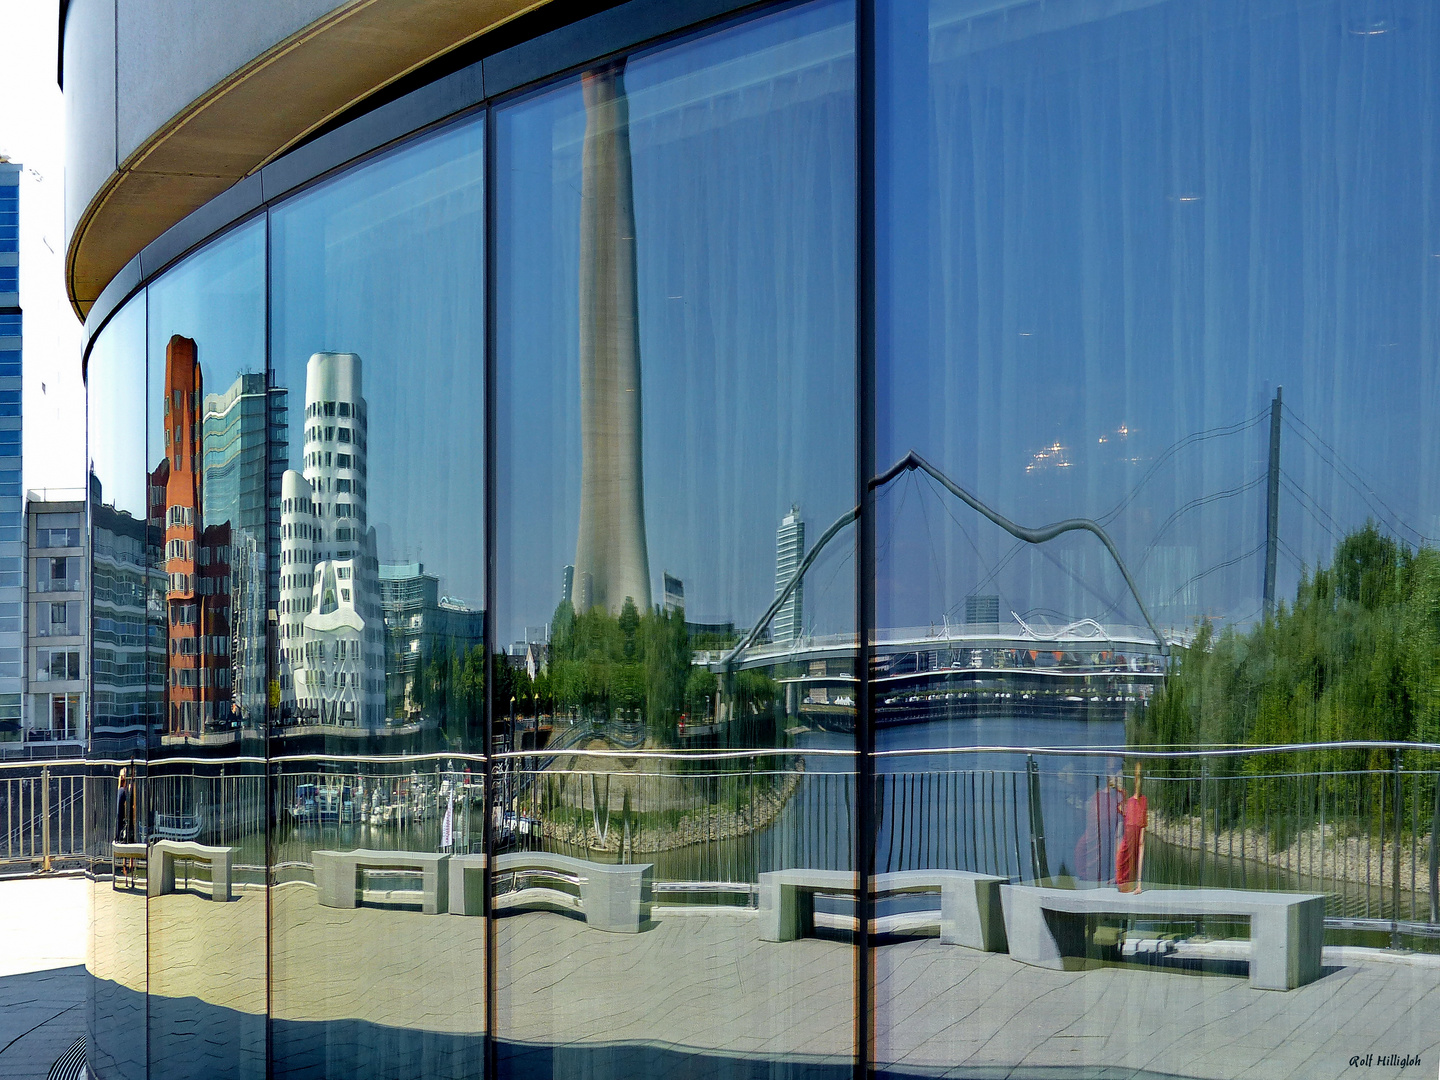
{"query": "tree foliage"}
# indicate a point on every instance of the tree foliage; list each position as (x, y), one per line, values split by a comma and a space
(1355, 657)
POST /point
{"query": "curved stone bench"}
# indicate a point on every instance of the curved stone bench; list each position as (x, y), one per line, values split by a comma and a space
(337, 875)
(467, 884)
(134, 853)
(970, 909)
(614, 898)
(164, 854)
(1286, 929)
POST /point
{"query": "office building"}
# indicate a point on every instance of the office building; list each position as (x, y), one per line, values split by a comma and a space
(58, 653)
(243, 431)
(198, 686)
(420, 625)
(982, 608)
(12, 503)
(674, 593)
(127, 659)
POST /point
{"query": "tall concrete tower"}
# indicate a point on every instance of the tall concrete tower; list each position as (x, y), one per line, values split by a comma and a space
(611, 560)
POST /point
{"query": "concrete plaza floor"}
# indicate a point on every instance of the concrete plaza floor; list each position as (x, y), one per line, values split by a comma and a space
(364, 992)
(42, 975)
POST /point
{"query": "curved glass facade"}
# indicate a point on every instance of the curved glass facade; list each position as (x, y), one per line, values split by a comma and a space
(893, 538)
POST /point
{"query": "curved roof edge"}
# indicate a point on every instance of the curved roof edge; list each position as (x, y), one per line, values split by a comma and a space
(256, 114)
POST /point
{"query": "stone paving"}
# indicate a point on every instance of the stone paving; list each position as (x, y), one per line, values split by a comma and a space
(42, 973)
(388, 992)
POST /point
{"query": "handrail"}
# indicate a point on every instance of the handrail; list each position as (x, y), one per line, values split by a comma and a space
(1137, 752)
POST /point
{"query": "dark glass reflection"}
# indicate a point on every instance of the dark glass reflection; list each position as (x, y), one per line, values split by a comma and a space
(122, 661)
(377, 781)
(676, 402)
(1107, 239)
(211, 434)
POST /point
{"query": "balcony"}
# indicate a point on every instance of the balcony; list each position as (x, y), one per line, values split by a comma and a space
(58, 585)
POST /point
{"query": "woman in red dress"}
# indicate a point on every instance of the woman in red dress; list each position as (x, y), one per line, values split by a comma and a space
(1130, 856)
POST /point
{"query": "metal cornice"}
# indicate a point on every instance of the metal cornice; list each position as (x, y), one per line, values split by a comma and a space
(259, 112)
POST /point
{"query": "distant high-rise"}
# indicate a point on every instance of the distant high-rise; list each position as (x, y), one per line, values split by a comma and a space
(420, 624)
(982, 609)
(128, 648)
(12, 500)
(567, 585)
(243, 430)
(674, 593)
(611, 560)
(789, 550)
(332, 630)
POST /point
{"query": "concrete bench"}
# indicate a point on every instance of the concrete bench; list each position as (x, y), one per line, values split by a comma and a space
(970, 909)
(1286, 929)
(133, 853)
(467, 884)
(160, 879)
(337, 875)
(614, 898)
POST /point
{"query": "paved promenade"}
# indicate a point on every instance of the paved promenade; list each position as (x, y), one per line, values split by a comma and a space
(42, 975)
(356, 991)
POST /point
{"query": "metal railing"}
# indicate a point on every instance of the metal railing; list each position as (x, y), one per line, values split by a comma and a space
(1358, 822)
(42, 816)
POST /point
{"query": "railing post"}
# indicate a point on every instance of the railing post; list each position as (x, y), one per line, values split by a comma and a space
(1435, 856)
(45, 818)
(1204, 773)
(1038, 858)
(1395, 855)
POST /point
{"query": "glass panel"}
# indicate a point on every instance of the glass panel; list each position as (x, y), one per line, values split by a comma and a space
(120, 717)
(207, 468)
(1108, 236)
(676, 413)
(378, 340)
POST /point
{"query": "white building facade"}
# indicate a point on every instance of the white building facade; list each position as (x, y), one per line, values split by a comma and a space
(332, 632)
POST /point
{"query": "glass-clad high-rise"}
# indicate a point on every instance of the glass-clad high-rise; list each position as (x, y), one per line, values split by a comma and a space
(12, 501)
(817, 539)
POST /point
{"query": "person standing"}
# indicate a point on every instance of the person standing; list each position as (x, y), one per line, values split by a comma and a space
(124, 822)
(1095, 849)
(1130, 856)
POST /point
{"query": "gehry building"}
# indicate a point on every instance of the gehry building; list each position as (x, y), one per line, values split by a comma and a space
(332, 636)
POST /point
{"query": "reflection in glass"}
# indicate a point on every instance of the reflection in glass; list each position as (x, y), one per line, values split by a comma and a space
(209, 441)
(122, 715)
(676, 397)
(377, 781)
(1107, 239)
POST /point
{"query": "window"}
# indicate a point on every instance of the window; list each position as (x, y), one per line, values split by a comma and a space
(58, 618)
(56, 664)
